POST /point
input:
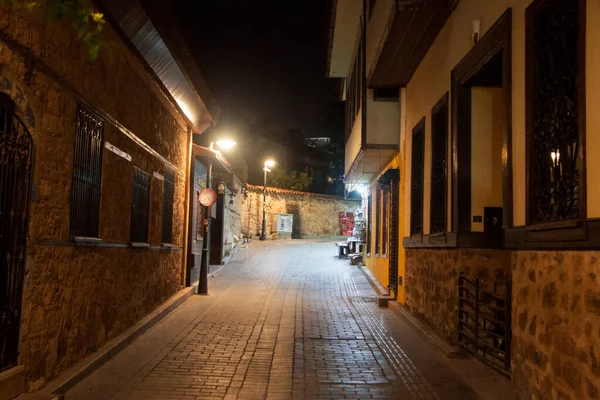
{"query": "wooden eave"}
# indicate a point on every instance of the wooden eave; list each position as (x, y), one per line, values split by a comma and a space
(413, 29)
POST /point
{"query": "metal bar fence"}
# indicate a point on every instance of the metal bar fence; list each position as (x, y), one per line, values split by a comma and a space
(484, 321)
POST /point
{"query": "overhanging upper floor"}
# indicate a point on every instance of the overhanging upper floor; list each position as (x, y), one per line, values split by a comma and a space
(412, 26)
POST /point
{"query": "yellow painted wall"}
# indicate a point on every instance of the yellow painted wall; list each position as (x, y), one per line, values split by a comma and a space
(593, 104)
(486, 151)
(432, 80)
(380, 266)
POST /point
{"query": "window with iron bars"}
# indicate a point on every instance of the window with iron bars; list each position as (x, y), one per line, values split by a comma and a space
(416, 181)
(139, 206)
(439, 186)
(87, 168)
(385, 221)
(555, 94)
(167, 211)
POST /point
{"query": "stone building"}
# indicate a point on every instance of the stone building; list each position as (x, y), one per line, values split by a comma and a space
(471, 133)
(95, 185)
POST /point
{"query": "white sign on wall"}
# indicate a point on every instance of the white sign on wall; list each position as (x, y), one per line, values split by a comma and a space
(284, 223)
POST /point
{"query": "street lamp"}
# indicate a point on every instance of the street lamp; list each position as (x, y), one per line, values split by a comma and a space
(268, 164)
(224, 144)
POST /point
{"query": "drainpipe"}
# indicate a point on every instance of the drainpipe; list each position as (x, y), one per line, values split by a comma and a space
(189, 256)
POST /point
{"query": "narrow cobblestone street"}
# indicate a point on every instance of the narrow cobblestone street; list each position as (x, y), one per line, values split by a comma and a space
(290, 321)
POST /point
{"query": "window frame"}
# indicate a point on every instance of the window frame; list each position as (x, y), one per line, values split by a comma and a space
(385, 222)
(442, 107)
(415, 229)
(167, 206)
(530, 71)
(144, 206)
(86, 180)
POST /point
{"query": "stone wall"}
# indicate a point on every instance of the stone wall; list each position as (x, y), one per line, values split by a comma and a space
(556, 324)
(232, 216)
(432, 282)
(75, 297)
(314, 215)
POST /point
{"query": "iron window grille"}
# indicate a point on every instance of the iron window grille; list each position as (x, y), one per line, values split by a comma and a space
(439, 186)
(554, 68)
(385, 222)
(417, 176)
(167, 210)
(87, 168)
(139, 206)
(16, 155)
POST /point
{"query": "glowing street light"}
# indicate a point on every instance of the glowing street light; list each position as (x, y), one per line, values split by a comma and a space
(268, 164)
(226, 144)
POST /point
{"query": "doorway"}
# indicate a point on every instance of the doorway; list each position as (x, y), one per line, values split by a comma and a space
(16, 154)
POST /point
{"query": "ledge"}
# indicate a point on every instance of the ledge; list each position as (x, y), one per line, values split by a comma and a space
(168, 246)
(568, 234)
(12, 382)
(86, 240)
(453, 240)
(139, 245)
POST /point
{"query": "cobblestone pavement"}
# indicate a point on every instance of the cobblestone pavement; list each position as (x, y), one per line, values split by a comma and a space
(290, 321)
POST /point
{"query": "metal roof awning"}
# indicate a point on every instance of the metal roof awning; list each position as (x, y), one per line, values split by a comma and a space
(164, 50)
(221, 164)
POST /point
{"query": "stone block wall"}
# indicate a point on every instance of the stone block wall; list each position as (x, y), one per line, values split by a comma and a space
(314, 215)
(556, 324)
(232, 216)
(432, 282)
(75, 297)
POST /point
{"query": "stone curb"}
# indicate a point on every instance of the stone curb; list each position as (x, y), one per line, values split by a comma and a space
(89, 364)
(378, 287)
(488, 385)
(56, 389)
(439, 344)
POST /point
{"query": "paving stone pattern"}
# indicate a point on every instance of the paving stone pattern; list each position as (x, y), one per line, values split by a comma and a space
(290, 322)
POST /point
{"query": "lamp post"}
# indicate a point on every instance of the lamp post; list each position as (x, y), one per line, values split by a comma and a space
(263, 235)
(203, 278)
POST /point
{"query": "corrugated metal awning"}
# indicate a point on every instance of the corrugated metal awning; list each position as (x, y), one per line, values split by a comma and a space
(172, 68)
(221, 165)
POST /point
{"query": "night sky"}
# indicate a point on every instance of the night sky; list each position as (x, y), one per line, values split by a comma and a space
(265, 60)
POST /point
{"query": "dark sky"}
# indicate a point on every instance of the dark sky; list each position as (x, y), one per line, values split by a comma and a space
(263, 59)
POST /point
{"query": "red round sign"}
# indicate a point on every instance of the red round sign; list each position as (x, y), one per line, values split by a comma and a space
(207, 197)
